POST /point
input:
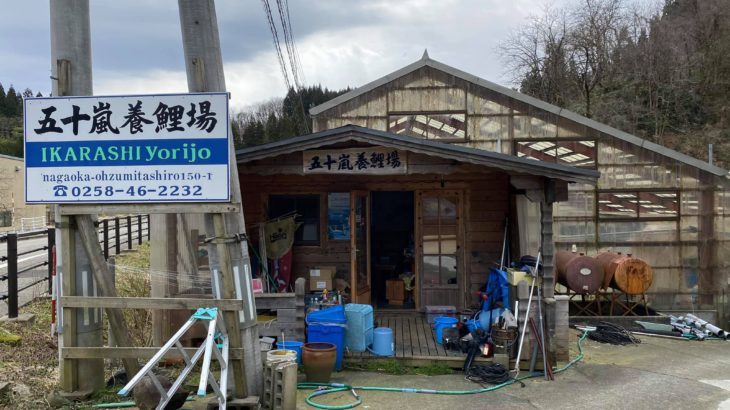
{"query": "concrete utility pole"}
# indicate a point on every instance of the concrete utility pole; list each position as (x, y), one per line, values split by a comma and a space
(71, 75)
(204, 65)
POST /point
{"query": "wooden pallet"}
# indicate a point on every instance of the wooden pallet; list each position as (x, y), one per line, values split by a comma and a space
(414, 340)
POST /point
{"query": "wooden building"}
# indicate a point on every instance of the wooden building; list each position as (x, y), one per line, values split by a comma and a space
(377, 205)
(663, 206)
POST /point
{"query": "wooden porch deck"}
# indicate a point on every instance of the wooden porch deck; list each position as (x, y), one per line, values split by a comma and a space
(414, 341)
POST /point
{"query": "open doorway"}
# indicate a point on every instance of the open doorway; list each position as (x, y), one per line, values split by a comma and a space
(392, 249)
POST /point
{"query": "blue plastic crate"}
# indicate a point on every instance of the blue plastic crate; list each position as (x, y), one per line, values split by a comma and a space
(359, 332)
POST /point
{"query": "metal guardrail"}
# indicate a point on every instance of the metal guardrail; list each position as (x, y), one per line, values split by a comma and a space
(12, 239)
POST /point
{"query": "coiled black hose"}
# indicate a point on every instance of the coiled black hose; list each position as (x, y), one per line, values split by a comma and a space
(613, 334)
(493, 373)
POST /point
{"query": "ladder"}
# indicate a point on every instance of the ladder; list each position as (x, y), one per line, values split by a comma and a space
(215, 344)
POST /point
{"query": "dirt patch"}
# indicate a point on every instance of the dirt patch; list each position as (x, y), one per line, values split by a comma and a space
(30, 365)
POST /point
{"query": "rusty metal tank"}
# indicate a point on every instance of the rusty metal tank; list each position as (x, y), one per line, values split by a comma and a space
(626, 273)
(580, 273)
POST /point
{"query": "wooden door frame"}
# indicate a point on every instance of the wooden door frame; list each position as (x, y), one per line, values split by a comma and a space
(461, 275)
(357, 294)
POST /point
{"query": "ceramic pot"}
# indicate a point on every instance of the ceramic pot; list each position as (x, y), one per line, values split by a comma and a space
(319, 361)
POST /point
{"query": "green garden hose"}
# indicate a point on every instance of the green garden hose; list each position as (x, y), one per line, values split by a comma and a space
(320, 389)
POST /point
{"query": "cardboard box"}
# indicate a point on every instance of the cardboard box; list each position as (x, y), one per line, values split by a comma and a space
(321, 277)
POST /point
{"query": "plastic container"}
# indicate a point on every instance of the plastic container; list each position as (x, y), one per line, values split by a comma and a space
(432, 312)
(328, 326)
(281, 355)
(442, 322)
(292, 345)
(383, 342)
(359, 332)
(266, 343)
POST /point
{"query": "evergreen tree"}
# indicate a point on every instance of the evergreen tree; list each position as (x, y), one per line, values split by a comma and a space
(11, 105)
(2, 100)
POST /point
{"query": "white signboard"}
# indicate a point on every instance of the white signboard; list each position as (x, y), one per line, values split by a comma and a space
(357, 161)
(127, 149)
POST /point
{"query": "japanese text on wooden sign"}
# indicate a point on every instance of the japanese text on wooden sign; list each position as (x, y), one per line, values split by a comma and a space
(357, 161)
(127, 149)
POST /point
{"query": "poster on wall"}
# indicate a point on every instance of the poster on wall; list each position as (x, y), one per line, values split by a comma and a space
(338, 216)
(127, 148)
(356, 161)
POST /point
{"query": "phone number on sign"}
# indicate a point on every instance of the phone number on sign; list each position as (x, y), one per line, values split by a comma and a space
(132, 191)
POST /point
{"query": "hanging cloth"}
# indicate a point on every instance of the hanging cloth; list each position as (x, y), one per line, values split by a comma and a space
(280, 236)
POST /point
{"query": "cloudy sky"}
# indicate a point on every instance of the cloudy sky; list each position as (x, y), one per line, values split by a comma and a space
(137, 45)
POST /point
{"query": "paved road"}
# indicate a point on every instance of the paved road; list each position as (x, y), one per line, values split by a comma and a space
(657, 374)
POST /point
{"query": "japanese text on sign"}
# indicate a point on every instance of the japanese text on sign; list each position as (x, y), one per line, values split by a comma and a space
(150, 148)
(376, 160)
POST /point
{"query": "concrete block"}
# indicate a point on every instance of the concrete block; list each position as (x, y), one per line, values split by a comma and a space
(28, 318)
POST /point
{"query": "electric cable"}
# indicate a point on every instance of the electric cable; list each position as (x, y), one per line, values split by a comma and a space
(492, 373)
(321, 389)
(612, 334)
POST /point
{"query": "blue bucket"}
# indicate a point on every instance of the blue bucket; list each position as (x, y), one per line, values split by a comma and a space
(292, 345)
(382, 341)
(442, 322)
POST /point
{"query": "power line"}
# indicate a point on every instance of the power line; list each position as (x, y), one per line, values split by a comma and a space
(291, 50)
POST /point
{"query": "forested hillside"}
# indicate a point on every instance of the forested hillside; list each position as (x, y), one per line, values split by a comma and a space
(657, 70)
(279, 118)
(11, 120)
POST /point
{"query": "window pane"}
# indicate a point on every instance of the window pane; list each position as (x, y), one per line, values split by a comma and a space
(431, 270)
(577, 153)
(658, 204)
(307, 209)
(431, 245)
(430, 210)
(448, 270)
(618, 205)
(447, 210)
(338, 216)
(429, 126)
(448, 244)
(537, 150)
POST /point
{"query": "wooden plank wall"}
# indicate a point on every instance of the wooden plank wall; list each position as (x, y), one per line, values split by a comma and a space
(486, 198)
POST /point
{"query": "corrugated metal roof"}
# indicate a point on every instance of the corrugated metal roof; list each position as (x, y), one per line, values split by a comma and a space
(420, 145)
(426, 61)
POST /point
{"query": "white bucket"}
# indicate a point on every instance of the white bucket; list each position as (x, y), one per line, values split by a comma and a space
(281, 355)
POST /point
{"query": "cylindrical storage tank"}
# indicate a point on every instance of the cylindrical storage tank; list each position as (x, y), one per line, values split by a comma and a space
(626, 273)
(580, 273)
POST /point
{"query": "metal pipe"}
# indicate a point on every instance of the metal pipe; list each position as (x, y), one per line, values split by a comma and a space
(527, 314)
(51, 232)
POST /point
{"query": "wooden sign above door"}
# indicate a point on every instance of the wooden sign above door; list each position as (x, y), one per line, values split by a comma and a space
(357, 161)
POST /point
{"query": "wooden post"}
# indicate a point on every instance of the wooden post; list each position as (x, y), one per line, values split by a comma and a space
(49, 255)
(72, 75)
(106, 286)
(228, 291)
(204, 66)
(69, 369)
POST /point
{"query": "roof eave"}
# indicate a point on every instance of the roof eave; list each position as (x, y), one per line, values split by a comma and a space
(474, 156)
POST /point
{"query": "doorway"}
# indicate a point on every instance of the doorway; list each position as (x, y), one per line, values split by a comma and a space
(392, 249)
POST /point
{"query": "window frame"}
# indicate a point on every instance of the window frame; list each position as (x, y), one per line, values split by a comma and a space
(556, 144)
(639, 217)
(429, 113)
(297, 240)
